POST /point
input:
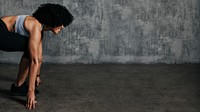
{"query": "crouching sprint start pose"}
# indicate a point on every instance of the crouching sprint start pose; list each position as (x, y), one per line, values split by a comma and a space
(24, 33)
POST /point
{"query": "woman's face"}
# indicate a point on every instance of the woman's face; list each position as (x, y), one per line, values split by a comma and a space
(57, 29)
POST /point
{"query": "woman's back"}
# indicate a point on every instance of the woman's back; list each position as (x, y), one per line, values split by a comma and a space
(9, 21)
(20, 23)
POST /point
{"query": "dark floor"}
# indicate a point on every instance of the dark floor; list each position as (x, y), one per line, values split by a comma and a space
(109, 88)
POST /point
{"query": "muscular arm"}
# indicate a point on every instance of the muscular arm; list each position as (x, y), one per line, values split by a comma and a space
(38, 80)
(34, 41)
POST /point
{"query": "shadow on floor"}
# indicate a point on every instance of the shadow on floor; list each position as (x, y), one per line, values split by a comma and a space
(5, 93)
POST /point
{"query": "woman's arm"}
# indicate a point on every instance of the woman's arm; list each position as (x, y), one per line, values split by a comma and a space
(38, 80)
(34, 41)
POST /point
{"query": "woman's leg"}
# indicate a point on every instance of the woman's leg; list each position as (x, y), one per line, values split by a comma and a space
(12, 42)
(23, 71)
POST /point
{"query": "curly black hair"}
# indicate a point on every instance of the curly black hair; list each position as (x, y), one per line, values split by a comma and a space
(53, 15)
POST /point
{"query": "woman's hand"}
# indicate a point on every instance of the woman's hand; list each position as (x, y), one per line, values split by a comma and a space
(38, 81)
(30, 104)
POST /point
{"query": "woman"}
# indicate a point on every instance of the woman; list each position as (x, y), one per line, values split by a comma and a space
(24, 33)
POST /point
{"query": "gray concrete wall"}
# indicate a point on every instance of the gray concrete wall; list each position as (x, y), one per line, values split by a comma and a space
(119, 31)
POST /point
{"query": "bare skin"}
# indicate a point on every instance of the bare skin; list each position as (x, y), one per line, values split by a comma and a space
(31, 66)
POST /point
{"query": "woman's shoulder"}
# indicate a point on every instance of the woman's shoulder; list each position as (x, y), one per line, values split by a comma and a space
(31, 22)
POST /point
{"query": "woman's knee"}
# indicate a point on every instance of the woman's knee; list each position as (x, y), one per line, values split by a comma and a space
(40, 59)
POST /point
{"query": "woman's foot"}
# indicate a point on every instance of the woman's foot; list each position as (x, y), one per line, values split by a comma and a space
(21, 90)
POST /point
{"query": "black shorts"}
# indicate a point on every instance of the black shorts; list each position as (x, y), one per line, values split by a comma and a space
(13, 42)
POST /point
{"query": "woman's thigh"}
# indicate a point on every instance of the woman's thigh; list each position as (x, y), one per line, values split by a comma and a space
(12, 42)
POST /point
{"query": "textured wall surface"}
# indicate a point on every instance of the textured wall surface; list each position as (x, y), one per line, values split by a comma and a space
(119, 31)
